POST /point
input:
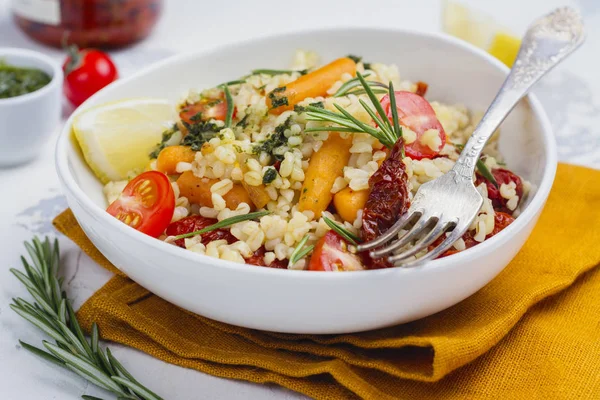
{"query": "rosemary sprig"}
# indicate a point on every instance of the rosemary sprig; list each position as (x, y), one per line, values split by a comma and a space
(386, 132)
(300, 251)
(273, 72)
(343, 232)
(52, 313)
(224, 223)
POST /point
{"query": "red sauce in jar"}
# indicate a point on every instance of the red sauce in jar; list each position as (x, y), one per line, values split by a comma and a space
(87, 23)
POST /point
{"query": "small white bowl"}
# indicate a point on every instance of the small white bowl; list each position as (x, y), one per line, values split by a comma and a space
(304, 301)
(27, 121)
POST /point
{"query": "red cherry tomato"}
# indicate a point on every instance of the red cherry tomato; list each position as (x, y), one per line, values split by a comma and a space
(205, 110)
(146, 204)
(416, 113)
(195, 223)
(331, 254)
(502, 176)
(86, 72)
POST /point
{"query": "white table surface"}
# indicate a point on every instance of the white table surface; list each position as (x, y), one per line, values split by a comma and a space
(30, 194)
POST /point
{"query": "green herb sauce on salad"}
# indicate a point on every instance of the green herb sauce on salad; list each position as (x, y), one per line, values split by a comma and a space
(16, 81)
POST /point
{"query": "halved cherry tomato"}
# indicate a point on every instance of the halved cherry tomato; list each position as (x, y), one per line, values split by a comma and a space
(195, 223)
(502, 176)
(146, 204)
(417, 114)
(205, 110)
(331, 254)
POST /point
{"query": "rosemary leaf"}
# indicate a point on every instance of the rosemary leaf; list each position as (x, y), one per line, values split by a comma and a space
(300, 251)
(277, 71)
(389, 136)
(226, 222)
(89, 377)
(232, 83)
(41, 353)
(374, 100)
(229, 101)
(84, 366)
(95, 337)
(354, 83)
(343, 232)
(40, 323)
(108, 368)
(363, 91)
(88, 397)
(146, 394)
(395, 121)
(119, 368)
(73, 340)
(485, 172)
(62, 312)
(76, 328)
(25, 280)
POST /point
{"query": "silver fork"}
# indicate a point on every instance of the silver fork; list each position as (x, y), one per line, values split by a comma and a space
(450, 203)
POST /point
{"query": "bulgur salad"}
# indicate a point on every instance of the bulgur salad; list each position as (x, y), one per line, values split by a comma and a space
(292, 168)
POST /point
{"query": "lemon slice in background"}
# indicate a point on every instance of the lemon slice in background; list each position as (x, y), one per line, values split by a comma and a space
(480, 30)
(117, 138)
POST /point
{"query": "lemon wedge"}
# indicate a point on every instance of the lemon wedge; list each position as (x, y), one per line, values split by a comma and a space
(116, 138)
(480, 30)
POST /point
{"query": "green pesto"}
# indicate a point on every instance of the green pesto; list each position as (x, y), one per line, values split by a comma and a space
(17, 81)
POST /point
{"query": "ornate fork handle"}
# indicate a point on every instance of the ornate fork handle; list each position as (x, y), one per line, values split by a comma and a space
(546, 43)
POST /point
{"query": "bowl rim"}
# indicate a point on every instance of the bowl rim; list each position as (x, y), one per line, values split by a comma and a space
(55, 80)
(535, 205)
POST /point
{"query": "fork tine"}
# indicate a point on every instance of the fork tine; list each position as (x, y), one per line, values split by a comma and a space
(416, 230)
(453, 237)
(390, 233)
(423, 243)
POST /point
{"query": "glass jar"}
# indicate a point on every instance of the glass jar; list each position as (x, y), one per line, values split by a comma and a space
(87, 23)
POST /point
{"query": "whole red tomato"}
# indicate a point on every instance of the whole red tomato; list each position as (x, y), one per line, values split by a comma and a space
(86, 72)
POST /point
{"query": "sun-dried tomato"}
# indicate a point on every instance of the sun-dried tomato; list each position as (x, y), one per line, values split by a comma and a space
(387, 200)
(421, 88)
(502, 176)
(501, 221)
(258, 259)
(195, 223)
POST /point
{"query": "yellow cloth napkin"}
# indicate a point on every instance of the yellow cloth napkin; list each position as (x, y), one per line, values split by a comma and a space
(512, 340)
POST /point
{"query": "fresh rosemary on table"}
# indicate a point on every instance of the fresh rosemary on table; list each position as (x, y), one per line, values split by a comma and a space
(53, 313)
(386, 132)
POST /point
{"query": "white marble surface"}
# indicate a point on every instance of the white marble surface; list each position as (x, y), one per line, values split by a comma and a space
(30, 194)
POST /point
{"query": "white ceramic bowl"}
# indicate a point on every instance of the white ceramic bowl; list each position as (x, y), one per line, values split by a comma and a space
(27, 121)
(313, 302)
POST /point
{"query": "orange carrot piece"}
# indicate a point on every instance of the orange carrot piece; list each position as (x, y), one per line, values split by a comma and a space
(323, 168)
(313, 84)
